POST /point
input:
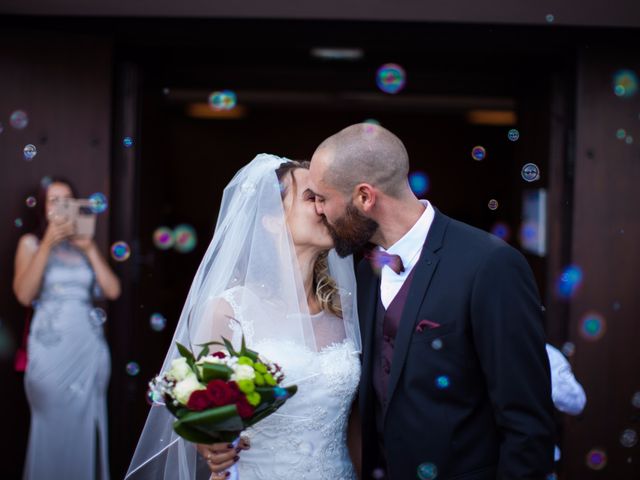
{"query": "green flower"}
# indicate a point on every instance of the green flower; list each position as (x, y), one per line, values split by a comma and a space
(245, 361)
(259, 380)
(269, 379)
(246, 386)
(253, 399)
(260, 367)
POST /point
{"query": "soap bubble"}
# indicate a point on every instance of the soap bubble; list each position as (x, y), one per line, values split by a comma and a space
(427, 471)
(530, 172)
(127, 142)
(132, 369)
(419, 183)
(31, 202)
(18, 222)
(391, 78)
(99, 202)
(568, 349)
(97, 316)
(120, 251)
(550, 18)
(501, 230)
(30, 151)
(185, 238)
(493, 204)
(157, 322)
(163, 238)
(629, 438)
(596, 459)
(478, 153)
(569, 281)
(442, 382)
(223, 100)
(19, 119)
(436, 344)
(592, 326)
(513, 135)
(625, 83)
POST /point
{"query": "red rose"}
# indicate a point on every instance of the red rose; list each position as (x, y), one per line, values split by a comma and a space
(199, 400)
(220, 393)
(219, 354)
(244, 409)
(235, 391)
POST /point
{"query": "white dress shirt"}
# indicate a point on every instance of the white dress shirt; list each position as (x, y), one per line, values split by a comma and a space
(409, 248)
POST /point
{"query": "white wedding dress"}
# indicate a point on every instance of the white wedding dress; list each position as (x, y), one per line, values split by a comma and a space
(307, 437)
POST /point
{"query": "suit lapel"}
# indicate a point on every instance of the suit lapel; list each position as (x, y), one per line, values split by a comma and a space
(367, 313)
(425, 268)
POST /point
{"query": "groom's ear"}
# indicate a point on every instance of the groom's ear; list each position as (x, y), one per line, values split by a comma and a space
(365, 197)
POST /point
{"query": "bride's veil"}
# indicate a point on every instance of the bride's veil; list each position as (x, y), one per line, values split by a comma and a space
(252, 250)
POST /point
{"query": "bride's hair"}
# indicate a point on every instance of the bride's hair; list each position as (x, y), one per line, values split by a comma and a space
(327, 294)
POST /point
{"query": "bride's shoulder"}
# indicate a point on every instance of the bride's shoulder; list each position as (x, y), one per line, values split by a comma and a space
(239, 296)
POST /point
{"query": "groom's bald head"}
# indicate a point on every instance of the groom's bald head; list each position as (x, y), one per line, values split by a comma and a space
(364, 153)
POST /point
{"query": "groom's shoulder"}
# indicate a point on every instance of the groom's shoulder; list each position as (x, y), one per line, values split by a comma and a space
(464, 237)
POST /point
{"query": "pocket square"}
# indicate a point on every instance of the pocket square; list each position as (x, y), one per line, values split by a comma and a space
(426, 324)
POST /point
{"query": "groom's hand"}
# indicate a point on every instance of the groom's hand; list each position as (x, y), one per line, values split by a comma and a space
(221, 456)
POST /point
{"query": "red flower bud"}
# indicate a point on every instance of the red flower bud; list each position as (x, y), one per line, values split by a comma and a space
(220, 393)
(244, 409)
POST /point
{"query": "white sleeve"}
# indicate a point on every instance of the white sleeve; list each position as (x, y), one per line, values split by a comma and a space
(567, 394)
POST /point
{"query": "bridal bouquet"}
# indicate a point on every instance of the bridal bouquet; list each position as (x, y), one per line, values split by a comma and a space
(215, 396)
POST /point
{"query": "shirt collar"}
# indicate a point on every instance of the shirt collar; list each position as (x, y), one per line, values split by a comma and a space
(412, 241)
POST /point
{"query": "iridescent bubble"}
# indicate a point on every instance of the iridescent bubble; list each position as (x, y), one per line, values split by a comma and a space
(528, 232)
(550, 18)
(127, 142)
(552, 476)
(493, 204)
(185, 238)
(568, 349)
(120, 251)
(391, 78)
(99, 202)
(163, 238)
(501, 230)
(478, 153)
(530, 172)
(133, 369)
(19, 119)
(45, 181)
(621, 133)
(592, 326)
(628, 140)
(442, 382)
(166, 91)
(30, 151)
(157, 322)
(596, 459)
(625, 83)
(436, 344)
(569, 281)
(97, 316)
(31, 202)
(629, 438)
(419, 182)
(372, 121)
(635, 400)
(223, 100)
(513, 135)
(427, 471)
(377, 474)
(18, 222)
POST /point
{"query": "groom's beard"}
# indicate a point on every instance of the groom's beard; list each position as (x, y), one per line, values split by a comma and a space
(352, 231)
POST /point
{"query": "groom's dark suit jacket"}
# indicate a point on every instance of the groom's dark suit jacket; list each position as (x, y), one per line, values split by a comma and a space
(495, 419)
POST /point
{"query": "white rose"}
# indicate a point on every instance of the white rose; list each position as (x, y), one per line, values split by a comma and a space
(184, 388)
(210, 359)
(243, 372)
(180, 369)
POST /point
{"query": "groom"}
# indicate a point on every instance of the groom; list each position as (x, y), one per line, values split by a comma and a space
(455, 380)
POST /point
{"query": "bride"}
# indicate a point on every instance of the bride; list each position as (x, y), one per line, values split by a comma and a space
(271, 275)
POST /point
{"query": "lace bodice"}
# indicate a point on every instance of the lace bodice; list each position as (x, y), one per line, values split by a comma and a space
(306, 438)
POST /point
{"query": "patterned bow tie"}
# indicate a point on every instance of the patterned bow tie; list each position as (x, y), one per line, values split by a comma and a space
(379, 259)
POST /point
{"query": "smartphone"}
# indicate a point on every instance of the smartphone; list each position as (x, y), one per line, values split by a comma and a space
(79, 211)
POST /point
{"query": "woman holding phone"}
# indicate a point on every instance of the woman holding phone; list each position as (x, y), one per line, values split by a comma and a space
(58, 273)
